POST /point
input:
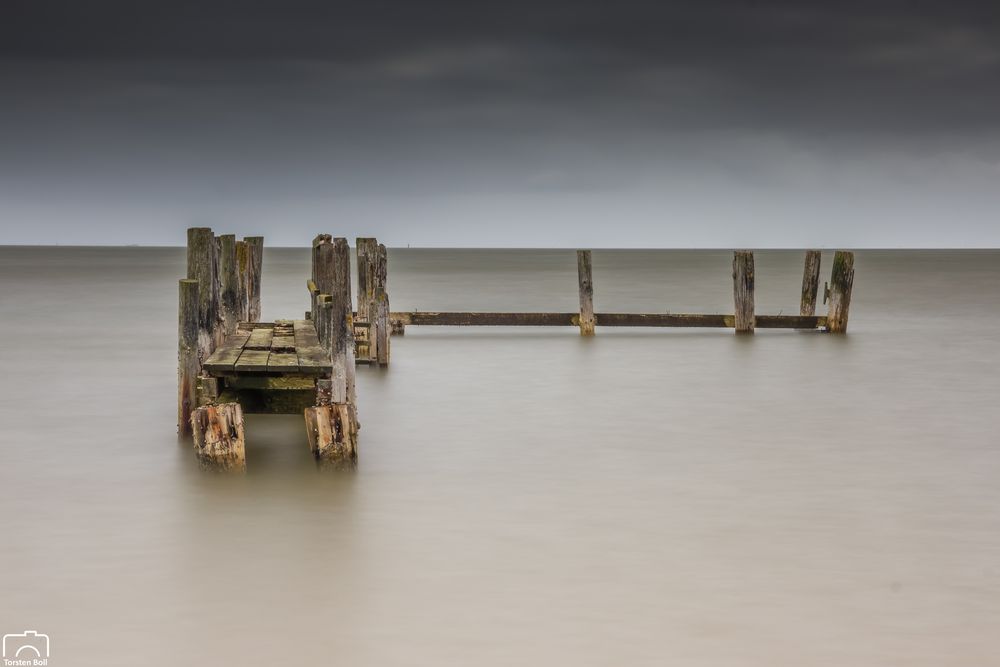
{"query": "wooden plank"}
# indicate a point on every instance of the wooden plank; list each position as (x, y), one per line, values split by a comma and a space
(187, 355)
(252, 361)
(255, 244)
(283, 362)
(260, 339)
(224, 358)
(313, 360)
(603, 319)
(201, 267)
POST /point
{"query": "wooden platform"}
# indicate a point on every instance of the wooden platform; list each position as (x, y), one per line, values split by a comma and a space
(280, 348)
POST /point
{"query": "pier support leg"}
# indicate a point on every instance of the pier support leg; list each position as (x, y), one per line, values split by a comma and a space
(397, 327)
(332, 435)
(810, 283)
(187, 355)
(841, 283)
(219, 437)
(366, 249)
(201, 267)
(583, 270)
(379, 309)
(255, 247)
(242, 280)
(743, 291)
(342, 321)
(228, 284)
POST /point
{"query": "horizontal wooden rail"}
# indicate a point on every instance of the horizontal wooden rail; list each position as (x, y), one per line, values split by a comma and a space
(603, 319)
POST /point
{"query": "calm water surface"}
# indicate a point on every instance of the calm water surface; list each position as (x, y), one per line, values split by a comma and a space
(524, 496)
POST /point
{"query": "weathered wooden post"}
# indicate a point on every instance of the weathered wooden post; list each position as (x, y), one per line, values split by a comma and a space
(841, 283)
(228, 283)
(366, 249)
(333, 435)
(201, 267)
(379, 310)
(810, 283)
(382, 328)
(242, 281)
(255, 246)
(188, 328)
(219, 437)
(583, 271)
(743, 291)
(342, 321)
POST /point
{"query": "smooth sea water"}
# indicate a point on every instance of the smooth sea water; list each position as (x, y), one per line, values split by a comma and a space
(523, 496)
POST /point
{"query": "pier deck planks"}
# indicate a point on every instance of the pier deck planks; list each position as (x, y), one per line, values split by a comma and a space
(285, 348)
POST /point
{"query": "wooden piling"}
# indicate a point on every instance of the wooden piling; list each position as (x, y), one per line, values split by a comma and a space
(201, 268)
(366, 249)
(841, 284)
(219, 437)
(342, 322)
(585, 278)
(242, 281)
(332, 435)
(382, 328)
(187, 354)
(743, 284)
(810, 282)
(228, 284)
(255, 246)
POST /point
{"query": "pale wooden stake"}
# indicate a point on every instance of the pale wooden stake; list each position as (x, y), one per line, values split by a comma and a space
(810, 282)
(342, 322)
(333, 435)
(201, 267)
(841, 283)
(585, 278)
(187, 355)
(242, 281)
(743, 280)
(228, 283)
(255, 244)
(219, 437)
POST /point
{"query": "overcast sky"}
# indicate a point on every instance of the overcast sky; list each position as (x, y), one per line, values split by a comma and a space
(515, 123)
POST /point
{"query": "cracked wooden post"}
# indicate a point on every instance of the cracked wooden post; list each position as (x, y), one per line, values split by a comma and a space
(583, 271)
(379, 310)
(187, 355)
(342, 321)
(382, 328)
(201, 267)
(810, 283)
(242, 281)
(743, 280)
(366, 249)
(219, 437)
(841, 283)
(255, 248)
(228, 284)
(320, 240)
(333, 436)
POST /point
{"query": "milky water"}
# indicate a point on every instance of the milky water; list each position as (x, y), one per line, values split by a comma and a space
(523, 496)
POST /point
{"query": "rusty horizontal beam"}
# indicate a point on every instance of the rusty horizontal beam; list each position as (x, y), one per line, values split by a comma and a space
(603, 320)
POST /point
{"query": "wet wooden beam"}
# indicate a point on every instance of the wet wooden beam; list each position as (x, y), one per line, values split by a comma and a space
(379, 332)
(187, 355)
(341, 343)
(810, 282)
(841, 284)
(743, 285)
(586, 284)
(242, 276)
(366, 249)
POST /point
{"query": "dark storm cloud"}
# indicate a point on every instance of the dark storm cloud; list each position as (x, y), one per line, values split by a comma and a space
(429, 113)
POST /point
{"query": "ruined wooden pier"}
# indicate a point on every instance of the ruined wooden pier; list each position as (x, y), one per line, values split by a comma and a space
(230, 363)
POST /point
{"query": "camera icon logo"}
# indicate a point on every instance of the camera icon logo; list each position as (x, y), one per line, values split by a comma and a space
(27, 644)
